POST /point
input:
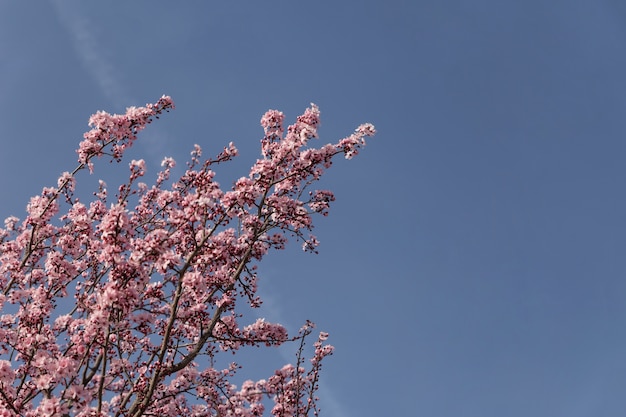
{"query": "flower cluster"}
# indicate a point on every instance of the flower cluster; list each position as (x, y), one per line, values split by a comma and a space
(125, 307)
(118, 131)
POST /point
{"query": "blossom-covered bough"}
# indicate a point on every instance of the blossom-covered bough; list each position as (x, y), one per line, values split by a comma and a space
(120, 307)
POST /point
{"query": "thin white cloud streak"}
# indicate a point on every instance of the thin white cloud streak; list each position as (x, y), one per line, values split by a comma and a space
(91, 52)
(93, 56)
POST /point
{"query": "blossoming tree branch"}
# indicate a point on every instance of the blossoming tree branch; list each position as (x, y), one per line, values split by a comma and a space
(119, 307)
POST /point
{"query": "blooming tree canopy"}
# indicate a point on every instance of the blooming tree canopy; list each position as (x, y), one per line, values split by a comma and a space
(120, 307)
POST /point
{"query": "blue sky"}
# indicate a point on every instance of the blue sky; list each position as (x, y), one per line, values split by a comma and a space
(473, 264)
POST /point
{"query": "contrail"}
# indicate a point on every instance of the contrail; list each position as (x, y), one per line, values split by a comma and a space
(91, 53)
(94, 59)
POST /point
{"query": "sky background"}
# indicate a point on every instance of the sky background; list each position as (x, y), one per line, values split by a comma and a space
(473, 263)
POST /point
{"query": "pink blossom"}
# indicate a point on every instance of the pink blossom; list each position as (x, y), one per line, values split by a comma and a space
(126, 304)
(10, 223)
(6, 373)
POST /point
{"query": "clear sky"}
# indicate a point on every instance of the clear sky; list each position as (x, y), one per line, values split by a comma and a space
(473, 264)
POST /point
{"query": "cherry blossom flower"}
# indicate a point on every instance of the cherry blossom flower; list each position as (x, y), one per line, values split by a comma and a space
(126, 305)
